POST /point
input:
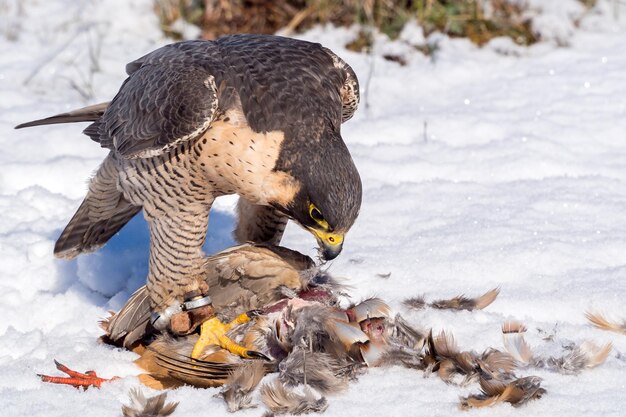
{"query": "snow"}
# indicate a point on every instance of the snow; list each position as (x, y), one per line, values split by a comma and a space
(501, 166)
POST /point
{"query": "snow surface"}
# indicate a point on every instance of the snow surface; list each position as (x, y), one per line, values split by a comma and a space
(502, 166)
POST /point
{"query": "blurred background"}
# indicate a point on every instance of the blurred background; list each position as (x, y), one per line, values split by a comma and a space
(477, 20)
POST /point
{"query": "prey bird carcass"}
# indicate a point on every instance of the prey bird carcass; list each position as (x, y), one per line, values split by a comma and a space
(296, 320)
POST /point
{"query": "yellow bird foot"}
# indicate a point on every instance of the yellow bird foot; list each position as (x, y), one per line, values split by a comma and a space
(213, 332)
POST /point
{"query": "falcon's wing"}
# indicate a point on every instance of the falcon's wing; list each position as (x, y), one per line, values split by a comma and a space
(350, 95)
(259, 224)
(169, 97)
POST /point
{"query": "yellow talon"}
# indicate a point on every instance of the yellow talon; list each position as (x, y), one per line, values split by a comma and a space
(243, 318)
(208, 336)
(213, 332)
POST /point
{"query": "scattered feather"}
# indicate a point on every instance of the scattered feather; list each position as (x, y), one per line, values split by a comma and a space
(240, 384)
(404, 357)
(459, 302)
(447, 370)
(466, 362)
(513, 327)
(373, 353)
(323, 371)
(516, 345)
(584, 356)
(400, 332)
(347, 334)
(517, 392)
(603, 323)
(497, 361)
(280, 400)
(415, 303)
(369, 308)
(463, 303)
(444, 345)
(140, 406)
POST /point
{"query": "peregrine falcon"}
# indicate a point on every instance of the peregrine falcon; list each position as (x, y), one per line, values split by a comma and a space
(253, 115)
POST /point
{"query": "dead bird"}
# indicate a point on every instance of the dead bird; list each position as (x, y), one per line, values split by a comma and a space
(241, 278)
(295, 317)
(460, 302)
(296, 311)
(316, 348)
(307, 340)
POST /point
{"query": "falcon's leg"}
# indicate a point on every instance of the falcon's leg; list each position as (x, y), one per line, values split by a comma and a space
(213, 332)
(259, 224)
(76, 379)
(176, 265)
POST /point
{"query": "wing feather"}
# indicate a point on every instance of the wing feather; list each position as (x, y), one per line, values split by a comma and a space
(169, 97)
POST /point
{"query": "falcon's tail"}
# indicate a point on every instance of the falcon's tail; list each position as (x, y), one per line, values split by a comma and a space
(84, 234)
(102, 213)
(86, 114)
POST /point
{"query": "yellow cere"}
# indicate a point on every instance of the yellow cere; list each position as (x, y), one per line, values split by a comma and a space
(331, 238)
(324, 235)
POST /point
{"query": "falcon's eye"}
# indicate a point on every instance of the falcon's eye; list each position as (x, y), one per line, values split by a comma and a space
(316, 215)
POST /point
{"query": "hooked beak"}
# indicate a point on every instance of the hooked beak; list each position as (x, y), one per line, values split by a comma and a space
(330, 244)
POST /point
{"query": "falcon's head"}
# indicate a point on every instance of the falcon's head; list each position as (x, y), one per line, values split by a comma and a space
(328, 196)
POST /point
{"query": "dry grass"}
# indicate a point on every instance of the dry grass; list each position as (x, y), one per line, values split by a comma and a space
(478, 20)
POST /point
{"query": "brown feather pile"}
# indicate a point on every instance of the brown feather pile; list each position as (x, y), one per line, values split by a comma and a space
(314, 345)
(459, 302)
(140, 406)
(603, 323)
(516, 392)
(444, 358)
(492, 369)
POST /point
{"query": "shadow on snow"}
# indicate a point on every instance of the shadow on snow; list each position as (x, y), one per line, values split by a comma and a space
(112, 273)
